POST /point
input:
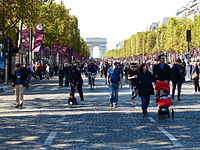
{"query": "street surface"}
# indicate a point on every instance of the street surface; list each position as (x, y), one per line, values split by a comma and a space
(46, 122)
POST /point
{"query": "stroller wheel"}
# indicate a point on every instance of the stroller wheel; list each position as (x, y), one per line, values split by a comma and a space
(172, 114)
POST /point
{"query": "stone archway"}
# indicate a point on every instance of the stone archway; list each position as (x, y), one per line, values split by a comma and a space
(99, 42)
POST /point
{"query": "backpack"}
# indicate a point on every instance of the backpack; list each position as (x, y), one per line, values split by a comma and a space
(115, 75)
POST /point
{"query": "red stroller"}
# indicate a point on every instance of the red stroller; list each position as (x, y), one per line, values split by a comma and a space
(164, 99)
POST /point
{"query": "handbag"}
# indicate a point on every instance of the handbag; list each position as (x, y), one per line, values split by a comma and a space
(194, 75)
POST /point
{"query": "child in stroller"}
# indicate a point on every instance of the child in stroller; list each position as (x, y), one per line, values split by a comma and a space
(163, 98)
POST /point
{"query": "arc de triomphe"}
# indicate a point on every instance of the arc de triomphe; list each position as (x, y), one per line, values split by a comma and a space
(99, 42)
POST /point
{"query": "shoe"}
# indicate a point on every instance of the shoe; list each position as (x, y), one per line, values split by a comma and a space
(172, 97)
(115, 105)
(21, 105)
(111, 105)
(17, 106)
(82, 103)
(179, 99)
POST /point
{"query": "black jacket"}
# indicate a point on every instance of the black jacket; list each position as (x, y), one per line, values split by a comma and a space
(177, 73)
(75, 77)
(196, 69)
(162, 74)
(144, 84)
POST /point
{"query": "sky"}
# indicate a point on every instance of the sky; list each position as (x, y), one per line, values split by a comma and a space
(117, 20)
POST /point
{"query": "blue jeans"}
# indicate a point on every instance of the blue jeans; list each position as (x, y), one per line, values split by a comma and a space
(145, 103)
(114, 87)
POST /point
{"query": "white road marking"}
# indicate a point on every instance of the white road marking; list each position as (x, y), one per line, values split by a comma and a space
(151, 120)
(38, 88)
(54, 88)
(50, 138)
(171, 137)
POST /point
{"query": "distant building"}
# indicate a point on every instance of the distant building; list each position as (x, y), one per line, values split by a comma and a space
(190, 10)
(158, 24)
(154, 26)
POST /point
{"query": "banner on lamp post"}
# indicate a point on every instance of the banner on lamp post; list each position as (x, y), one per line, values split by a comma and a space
(38, 37)
(25, 37)
(55, 47)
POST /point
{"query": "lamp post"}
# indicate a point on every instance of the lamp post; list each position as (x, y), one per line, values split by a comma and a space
(188, 55)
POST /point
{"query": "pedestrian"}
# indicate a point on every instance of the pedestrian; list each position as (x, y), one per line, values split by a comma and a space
(195, 77)
(47, 72)
(114, 80)
(76, 82)
(66, 74)
(132, 77)
(177, 74)
(144, 87)
(162, 71)
(61, 76)
(18, 83)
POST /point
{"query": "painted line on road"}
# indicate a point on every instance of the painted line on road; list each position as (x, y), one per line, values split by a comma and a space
(50, 138)
(151, 119)
(54, 88)
(38, 88)
(171, 137)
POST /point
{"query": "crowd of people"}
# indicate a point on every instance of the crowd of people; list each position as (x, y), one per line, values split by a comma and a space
(141, 78)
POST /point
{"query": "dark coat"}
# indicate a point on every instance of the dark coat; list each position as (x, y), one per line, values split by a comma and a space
(75, 77)
(177, 73)
(144, 84)
(162, 75)
(196, 69)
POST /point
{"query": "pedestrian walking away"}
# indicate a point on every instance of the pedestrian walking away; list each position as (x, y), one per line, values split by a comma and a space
(18, 83)
(144, 87)
(177, 74)
(61, 76)
(114, 80)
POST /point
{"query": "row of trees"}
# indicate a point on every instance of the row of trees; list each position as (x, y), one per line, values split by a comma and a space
(56, 20)
(170, 37)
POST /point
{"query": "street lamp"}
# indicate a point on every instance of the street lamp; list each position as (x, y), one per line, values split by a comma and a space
(188, 55)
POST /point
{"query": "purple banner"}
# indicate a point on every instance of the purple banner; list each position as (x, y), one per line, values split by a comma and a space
(38, 38)
(55, 47)
(64, 49)
(25, 38)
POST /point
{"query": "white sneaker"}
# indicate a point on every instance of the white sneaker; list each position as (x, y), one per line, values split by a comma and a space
(194, 92)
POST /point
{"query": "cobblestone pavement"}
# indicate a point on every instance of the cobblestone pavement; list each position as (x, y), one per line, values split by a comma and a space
(46, 122)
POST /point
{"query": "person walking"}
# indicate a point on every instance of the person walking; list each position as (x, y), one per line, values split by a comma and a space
(47, 72)
(66, 74)
(18, 83)
(195, 77)
(114, 80)
(162, 71)
(177, 74)
(144, 87)
(61, 76)
(132, 77)
(76, 82)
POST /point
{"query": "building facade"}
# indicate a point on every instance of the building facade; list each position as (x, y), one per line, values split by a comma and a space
(190, 10)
